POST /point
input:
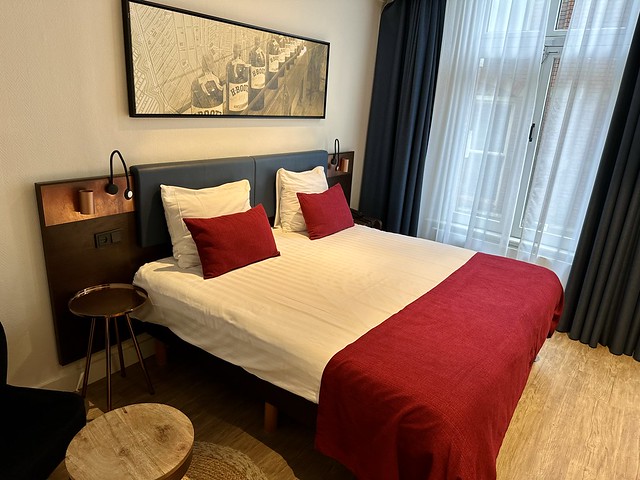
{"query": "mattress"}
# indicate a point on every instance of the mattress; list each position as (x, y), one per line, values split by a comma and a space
(284, 318)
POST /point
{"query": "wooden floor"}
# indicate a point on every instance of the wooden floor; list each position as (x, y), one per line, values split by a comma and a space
(579, 416)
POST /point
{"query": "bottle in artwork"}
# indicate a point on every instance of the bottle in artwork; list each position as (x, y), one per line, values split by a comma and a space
(237, 83)
(282, 58)
(286, 101)
(273, 58)
(257, 76)
(288, 52)
(207, 91)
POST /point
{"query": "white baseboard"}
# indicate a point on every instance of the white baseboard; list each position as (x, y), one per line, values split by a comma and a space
(72, 378)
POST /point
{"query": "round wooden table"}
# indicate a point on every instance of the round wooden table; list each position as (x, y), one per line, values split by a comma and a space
(145, 441)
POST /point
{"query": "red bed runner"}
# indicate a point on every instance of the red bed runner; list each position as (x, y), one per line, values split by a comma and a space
(430, 392)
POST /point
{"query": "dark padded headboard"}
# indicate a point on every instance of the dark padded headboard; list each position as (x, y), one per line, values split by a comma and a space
(259, 170)
(268, 165)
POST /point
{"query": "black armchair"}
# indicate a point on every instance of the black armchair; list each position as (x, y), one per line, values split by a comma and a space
(36, 426)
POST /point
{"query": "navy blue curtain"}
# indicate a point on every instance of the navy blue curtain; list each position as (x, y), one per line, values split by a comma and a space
(603, 290)
(404, 84)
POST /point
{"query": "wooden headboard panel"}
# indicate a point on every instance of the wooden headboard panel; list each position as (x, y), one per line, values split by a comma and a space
(74, 261)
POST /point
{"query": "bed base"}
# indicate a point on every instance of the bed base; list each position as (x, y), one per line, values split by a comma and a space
(270, 421)
(275, 399)
(270, 417)
(161, 353)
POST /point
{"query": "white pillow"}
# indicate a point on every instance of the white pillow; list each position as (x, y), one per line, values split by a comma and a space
(288, 212)
(211, 202)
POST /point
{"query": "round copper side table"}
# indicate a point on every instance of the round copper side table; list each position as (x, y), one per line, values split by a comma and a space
(110, 301)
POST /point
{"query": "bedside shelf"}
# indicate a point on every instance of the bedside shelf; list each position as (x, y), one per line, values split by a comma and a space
(343, 177)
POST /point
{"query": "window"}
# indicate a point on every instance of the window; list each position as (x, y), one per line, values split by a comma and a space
(523, 101)
(590, 93)
(560, 16)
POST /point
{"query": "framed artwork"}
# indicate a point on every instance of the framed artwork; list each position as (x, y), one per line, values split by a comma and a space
(182, 63)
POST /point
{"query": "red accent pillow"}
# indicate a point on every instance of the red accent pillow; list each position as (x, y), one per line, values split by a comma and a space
(325, 213)
(232, 241)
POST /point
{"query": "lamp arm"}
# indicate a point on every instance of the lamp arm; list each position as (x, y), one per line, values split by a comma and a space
(112, 188)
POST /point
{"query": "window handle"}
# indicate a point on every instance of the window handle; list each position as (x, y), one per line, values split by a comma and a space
(533, 125)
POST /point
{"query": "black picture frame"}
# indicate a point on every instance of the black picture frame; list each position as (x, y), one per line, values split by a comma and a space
(187, 64)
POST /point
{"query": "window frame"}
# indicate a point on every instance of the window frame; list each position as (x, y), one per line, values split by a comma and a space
(553, 46)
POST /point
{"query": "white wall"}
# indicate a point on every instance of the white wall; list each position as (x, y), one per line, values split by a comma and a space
(64, 109)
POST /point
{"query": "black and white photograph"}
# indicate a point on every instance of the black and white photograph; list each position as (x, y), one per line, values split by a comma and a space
(182, 63)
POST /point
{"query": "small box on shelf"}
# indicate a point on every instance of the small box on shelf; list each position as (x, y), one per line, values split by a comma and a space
(341, 165)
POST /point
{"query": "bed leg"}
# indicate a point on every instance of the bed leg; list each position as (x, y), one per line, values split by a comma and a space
(161, 353)
(270, 418)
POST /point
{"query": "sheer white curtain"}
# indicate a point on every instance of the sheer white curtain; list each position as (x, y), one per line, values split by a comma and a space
(485, 100)
(579, 110)
(484, 103)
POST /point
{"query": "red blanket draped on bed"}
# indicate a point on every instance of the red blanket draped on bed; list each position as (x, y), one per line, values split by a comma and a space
(430, 392)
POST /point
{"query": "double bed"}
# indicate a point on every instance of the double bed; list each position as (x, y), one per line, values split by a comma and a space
(415, 352)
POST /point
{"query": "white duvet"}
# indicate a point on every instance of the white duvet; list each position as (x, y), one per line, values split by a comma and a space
(283, 319)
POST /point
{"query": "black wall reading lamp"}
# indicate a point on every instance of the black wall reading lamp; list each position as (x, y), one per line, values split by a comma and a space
(335, 159)
(111, 187)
